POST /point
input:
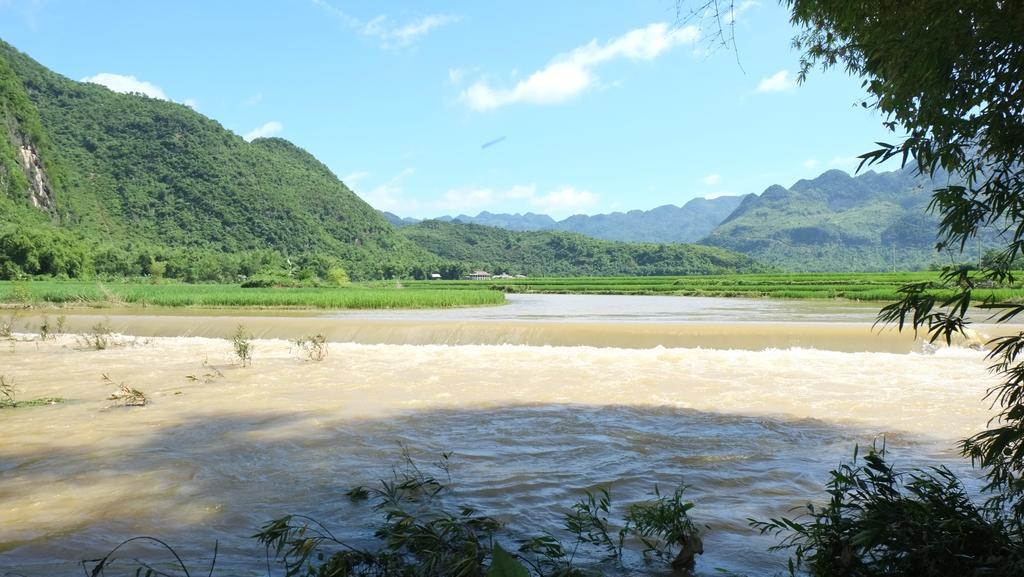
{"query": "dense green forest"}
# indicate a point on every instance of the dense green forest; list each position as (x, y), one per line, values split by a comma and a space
(96, 183)
(560, 253)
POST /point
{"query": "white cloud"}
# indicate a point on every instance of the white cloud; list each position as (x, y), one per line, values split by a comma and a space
(388, 196)
(811, 163)
(407, 34)
(747, 5)
(455, 75)
(521, 191)
(556, 83)
(714, 195)
(191, 103)
(341, 15)
(474, 199)
(382, 28)
(844, 161)
(563, 200)
(778, 82)
(738, 11)
(126, 84)
(466, 198)
(353, 178)
(712, 179)
(267, 129)
(253, 100)
(560, 201)
(571, 74)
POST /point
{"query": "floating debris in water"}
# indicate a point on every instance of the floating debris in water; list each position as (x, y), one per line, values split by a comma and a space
(126, 395)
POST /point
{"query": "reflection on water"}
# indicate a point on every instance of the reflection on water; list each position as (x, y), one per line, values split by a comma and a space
(645, 309)
(586, 308)
(222, 449)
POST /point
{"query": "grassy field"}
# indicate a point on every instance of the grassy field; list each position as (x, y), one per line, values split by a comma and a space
(85, 293)
(851, 286)
(444, 294)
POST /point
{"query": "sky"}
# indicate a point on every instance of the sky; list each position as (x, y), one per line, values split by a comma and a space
(433, 108)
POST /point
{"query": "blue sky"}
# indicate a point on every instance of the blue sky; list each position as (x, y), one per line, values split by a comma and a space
(588, 106)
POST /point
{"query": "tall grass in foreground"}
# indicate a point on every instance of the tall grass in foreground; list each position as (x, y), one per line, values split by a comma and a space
(877, 522)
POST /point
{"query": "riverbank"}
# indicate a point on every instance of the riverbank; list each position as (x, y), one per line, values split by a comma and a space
(870, 287)
(139, 294)
(616, 321)
(422, 294)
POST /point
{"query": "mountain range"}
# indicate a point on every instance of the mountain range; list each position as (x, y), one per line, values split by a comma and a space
(833, 222)
(874, 221)
(669, 223)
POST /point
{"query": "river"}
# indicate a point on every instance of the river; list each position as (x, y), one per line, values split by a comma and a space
(749, 402)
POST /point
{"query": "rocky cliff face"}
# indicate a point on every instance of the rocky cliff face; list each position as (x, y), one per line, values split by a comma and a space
(40, 191)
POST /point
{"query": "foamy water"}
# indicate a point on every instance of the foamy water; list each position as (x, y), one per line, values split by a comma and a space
(753, 425)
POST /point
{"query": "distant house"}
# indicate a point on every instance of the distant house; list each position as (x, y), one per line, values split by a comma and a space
(435, 276)
(479, 275)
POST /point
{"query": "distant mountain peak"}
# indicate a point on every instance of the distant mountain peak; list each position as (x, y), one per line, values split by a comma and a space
(777, 191)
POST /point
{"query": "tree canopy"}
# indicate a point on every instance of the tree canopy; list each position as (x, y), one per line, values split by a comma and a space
(949, 79)
(949, 76)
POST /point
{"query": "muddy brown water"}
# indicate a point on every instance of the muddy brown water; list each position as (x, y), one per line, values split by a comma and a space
(535, 407)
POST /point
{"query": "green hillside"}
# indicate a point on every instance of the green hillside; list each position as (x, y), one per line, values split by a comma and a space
(836, 222)
(95, 181)
(542, 253)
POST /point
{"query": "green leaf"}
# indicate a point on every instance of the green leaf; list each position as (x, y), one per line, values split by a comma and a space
(504, 565)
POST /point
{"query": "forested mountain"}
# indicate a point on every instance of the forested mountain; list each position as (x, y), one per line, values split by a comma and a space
(870, 222)
(838, 222)
(668, 223)
(537, 253)
(92, 180)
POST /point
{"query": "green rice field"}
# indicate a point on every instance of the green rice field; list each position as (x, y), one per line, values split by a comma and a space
(96, 294)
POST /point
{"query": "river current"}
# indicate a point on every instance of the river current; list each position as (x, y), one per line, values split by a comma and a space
(749, 402)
